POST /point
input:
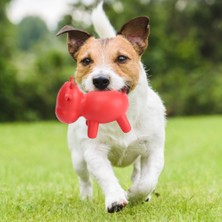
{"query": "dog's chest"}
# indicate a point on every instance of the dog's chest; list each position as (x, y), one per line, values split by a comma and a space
(124, 148)
(122, 156)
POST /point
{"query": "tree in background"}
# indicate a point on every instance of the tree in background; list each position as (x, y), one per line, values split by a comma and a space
(8, 85)
(43, 67)
(33, 66)
(30, 31)
(191, 75)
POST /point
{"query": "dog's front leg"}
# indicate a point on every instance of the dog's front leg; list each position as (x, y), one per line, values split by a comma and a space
(151, 167)
(100, 167)
(80, 167)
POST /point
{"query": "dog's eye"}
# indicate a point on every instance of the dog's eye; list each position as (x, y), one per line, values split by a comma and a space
(86, 61)
(121, 59)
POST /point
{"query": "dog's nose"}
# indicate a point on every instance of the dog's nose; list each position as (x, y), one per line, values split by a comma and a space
(101, 82)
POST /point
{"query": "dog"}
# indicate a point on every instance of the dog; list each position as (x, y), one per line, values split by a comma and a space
(113, 62)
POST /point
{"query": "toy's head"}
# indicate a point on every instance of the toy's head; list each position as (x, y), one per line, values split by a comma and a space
(68, 102)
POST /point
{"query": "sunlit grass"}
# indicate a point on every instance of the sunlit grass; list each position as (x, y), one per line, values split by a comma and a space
(37, 182)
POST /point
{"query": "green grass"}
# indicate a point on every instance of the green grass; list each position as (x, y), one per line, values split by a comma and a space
(37, 182)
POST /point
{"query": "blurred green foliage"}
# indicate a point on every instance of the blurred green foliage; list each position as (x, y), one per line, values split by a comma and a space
(183, 58)
(33, 66)
(7, 70)
(30, 31)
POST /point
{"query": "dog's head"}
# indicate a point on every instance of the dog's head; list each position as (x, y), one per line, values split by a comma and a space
(112, 63)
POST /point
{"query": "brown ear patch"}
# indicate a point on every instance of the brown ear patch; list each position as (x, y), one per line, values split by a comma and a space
(76, 39)
(137, 32)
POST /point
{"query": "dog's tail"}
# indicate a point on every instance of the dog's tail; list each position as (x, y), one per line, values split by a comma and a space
(101, 23)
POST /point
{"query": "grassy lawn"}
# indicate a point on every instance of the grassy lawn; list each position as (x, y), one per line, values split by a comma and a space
(37, 182)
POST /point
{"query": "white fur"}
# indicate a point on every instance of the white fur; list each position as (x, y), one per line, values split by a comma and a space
(143, 145)
(100, 20)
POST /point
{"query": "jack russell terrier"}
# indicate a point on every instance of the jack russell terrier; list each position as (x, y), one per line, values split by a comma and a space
(113, 62)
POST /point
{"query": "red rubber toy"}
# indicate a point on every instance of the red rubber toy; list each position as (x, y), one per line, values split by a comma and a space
(97, 107)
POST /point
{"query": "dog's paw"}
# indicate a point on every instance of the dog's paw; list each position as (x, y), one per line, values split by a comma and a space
(136, 197)
(148, 198)
(116, 203)
(139, 193)
(116, 207)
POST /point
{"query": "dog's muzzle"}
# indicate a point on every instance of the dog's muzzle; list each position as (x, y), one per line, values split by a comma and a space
(101, 83)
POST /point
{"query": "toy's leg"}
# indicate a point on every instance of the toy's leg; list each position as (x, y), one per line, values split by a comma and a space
(92, 129)
(124, 123)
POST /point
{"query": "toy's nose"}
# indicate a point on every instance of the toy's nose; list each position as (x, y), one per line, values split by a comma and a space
(101, 83)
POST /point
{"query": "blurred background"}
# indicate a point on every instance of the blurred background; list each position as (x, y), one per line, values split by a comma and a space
(184, 57)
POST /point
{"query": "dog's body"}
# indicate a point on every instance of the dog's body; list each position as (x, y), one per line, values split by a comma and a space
(114, 64)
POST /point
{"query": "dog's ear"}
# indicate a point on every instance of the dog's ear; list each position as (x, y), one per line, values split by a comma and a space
(76, 39)
(137, 32)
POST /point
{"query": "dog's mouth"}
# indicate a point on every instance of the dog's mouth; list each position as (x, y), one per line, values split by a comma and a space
(125, 89)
